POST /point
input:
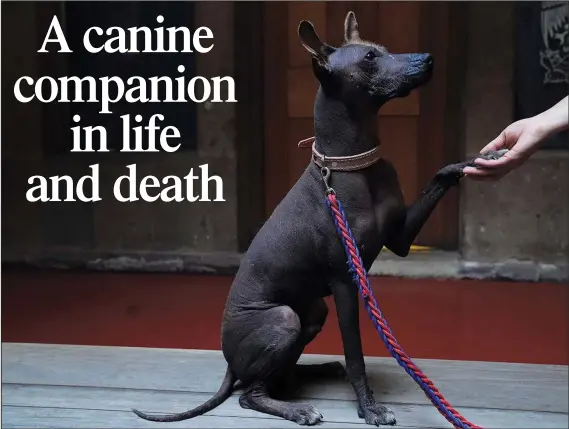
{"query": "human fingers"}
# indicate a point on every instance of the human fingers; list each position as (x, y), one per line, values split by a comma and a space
(480, 172)
(525, 146)
(498, 143)
(471, 171)
(510, 159)
(494, 163)
(484, 167)
(488, 178)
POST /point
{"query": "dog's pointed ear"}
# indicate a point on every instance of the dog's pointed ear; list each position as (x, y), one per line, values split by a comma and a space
(351, 31)
(312, 43)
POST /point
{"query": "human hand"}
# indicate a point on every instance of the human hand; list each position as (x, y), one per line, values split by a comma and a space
(522, 138)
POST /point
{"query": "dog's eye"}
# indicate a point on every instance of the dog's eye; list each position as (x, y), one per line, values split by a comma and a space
(370, 56)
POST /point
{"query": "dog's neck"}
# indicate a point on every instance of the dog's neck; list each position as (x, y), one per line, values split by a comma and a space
(342, 130)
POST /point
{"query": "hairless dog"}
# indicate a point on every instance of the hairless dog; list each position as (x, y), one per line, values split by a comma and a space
(275, 306)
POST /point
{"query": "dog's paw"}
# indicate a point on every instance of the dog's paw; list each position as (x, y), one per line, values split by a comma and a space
(488, 155)
(493, 154)
(305, 415)
(451, 174)
(376, 414)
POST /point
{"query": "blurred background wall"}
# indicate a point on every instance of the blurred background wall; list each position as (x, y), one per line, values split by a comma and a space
(251, 144)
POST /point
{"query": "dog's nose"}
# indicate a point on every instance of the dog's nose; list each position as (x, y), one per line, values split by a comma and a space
(422, 60)
(428, 59)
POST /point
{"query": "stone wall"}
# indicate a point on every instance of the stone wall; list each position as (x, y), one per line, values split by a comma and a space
(523, 217)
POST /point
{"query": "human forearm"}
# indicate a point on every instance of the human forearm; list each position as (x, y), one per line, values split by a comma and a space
(553, 120)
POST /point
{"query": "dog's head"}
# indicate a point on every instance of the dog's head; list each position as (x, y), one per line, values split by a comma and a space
(363, 72)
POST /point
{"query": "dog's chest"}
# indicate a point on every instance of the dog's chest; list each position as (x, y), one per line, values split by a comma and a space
(373, 213)
(362, 220)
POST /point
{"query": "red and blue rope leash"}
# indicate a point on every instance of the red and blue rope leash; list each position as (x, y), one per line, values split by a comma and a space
(361, 279)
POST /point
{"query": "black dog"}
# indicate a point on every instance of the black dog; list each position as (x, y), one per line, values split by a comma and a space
(275, 306)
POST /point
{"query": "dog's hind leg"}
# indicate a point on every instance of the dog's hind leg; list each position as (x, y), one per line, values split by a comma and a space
(312, 320)
(262, 357)
(257, 398)
(320, 370)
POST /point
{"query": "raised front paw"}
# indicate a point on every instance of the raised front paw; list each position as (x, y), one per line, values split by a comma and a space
(493, 154)
(451, 174)
(489, 155)
(376, 414)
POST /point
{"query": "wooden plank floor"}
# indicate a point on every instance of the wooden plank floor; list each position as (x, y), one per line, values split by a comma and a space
(49, 386)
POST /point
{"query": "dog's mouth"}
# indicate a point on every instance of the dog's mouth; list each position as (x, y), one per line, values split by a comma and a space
(414, 80)
(421, 76)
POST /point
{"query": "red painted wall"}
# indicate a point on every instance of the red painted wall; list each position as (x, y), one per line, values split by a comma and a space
(465, 320)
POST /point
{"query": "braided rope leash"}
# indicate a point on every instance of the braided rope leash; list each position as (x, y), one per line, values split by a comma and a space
(361, 279)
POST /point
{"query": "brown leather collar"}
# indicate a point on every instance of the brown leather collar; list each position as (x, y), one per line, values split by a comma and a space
(341, 163)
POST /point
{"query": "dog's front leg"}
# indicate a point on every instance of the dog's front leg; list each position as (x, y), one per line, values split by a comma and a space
(346, 299)
(418, 213)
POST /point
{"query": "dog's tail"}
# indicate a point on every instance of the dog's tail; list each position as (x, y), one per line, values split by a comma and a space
(216, 400)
